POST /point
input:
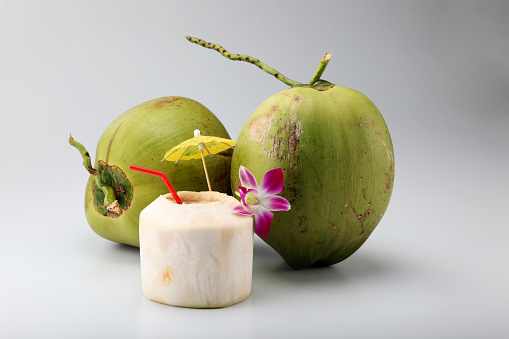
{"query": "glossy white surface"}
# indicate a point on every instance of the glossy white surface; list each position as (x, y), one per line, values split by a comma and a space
(436, 266)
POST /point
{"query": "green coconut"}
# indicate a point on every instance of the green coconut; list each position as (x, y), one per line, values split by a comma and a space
(115, 195)
(337, 157)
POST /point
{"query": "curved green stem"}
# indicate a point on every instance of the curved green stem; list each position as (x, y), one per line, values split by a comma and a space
(109, 195)
(102, 181)
(102, 178)
(110, 202)
(245, 58)
(321, 68)
(87, 162)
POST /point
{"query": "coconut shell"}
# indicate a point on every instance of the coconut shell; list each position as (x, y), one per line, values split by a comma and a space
(338, 163)
(140, 137)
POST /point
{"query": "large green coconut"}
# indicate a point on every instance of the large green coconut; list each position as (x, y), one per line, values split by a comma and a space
(115, 195)
(338, 163)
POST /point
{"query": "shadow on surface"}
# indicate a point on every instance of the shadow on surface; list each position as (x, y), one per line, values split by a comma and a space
(120, 254)
(122, 248)
(268, 264)
(273, 278)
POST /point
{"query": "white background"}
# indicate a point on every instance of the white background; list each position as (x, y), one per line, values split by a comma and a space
(435, 267)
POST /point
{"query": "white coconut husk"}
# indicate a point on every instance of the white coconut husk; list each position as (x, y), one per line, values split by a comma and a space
(197, 254)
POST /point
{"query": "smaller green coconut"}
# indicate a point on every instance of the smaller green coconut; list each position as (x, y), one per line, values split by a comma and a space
(115, 195)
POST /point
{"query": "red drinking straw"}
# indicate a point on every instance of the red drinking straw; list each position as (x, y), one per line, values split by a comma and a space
(160, 175)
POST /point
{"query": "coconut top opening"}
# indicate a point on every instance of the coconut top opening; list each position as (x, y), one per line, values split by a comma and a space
(199, 210)
(204, 199)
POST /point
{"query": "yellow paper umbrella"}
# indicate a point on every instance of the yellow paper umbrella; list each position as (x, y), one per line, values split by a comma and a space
(193, 149)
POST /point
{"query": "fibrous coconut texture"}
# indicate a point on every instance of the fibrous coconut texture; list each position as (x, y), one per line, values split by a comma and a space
(197, 254)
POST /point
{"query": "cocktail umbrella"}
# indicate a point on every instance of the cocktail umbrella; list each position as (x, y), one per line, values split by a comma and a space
(193, 149)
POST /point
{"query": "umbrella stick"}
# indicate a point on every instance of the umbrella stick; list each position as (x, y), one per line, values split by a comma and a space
(205, 167)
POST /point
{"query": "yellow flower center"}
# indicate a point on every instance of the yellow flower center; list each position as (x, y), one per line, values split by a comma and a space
(251, 199)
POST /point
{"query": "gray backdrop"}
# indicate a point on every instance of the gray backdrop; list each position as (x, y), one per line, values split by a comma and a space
(436, 266)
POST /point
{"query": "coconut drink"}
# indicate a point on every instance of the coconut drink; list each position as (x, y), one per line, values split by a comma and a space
(196, 254)
(196, 248)
(336, 154)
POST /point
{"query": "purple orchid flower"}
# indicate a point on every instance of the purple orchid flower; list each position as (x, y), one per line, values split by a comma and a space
(260, 200)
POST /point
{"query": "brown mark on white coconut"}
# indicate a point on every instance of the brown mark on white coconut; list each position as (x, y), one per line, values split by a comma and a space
(167, 275)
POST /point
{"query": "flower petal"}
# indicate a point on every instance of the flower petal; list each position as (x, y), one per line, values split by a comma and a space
(242, 194)
(241, 210)
(275, 203)
(243, 189)
(263, 219)
(272, 182)
(247, 179)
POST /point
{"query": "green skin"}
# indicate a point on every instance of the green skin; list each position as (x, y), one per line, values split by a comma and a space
(338, 163)
(141, 136)
(337, 158)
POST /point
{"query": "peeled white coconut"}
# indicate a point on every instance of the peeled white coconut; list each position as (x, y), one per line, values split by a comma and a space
(198, 254)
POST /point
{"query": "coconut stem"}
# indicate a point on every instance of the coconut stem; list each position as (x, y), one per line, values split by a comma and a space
(321, 68)
(245, 58)
(110, 202)
(87, 162)
(110, 196)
